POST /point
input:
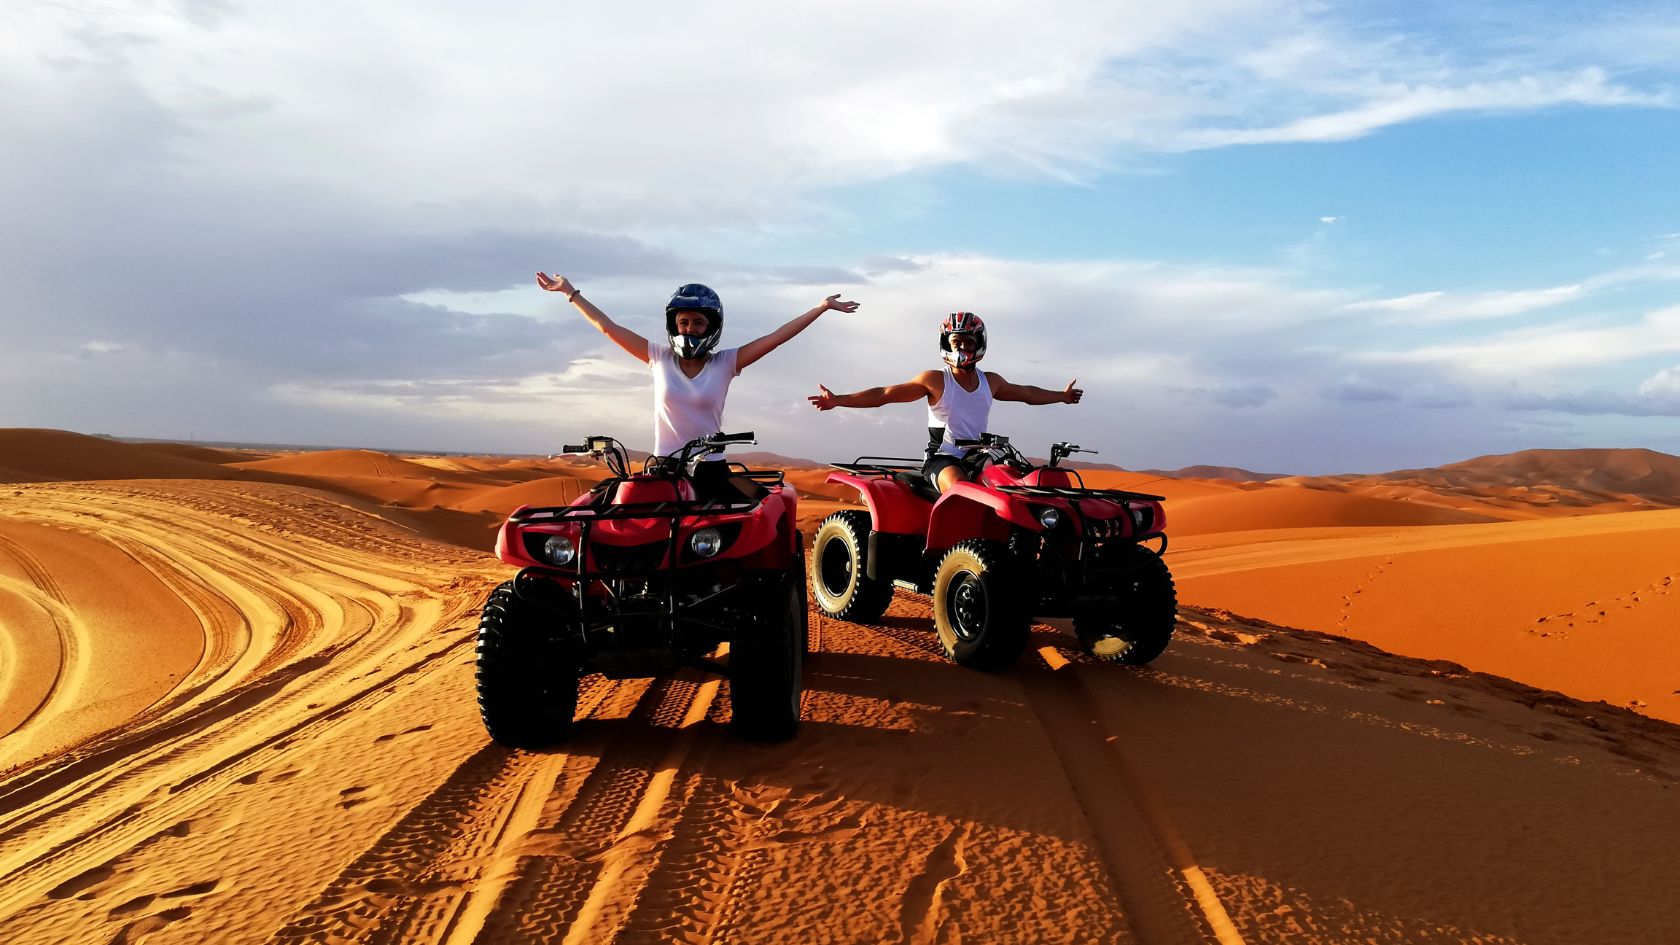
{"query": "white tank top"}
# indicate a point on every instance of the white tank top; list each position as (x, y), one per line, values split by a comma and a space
(686, 407)
(961, 412)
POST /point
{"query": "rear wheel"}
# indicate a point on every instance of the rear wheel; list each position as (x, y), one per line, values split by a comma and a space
(979, 605)
(527, 682)
(839, 570)
(766, 663)
(1139, 625)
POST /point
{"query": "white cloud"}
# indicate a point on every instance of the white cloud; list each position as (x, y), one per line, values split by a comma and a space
(96, 348)
(1404, 303)
(1664, 383)
(1388, 104)
(1535, 351)
(1449, 307)
(724, 115)
(1331, 220)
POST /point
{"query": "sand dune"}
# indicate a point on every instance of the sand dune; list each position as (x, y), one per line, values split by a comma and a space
(1587, 606)
(56, 456)
(355, 464)
(1303, 508)
(240, 710)
(207, 454)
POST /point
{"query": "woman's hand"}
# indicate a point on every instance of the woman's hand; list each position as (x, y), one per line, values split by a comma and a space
(558, 284)
(1072, 394)
(833, 302)
(825, 399)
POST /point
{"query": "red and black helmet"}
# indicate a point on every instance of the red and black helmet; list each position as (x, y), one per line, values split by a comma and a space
(962, 323)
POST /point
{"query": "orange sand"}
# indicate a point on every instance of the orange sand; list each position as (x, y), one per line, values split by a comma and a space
(236, 706)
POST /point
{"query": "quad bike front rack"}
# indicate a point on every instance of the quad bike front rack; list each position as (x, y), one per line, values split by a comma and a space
(1068, 492)
(587, 515)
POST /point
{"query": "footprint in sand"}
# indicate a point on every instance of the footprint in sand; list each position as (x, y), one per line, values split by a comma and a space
(257, 777)
(82, 883)
(416, 729)
(353, 797)
(141, 903)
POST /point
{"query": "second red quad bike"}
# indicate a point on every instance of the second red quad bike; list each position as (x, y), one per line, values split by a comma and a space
(1020, 541)
(640, 576)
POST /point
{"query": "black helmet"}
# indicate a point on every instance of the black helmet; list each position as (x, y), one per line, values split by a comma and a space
(694, 297)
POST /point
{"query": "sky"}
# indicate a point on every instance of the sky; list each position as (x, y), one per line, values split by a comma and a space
(1296, 238)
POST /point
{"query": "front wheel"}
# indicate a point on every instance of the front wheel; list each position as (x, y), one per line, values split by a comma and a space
(1139, 625)
(840, 570)
(979, 605)
(527, 684)
(767, 662)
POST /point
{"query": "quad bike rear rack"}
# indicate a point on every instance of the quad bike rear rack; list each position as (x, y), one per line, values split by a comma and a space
(772, 477)
(879, 465)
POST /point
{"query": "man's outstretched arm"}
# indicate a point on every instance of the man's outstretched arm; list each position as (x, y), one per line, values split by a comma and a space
(1028, 394)
(913, 389)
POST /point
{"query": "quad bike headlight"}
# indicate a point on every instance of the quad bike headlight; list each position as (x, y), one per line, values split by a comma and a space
(1050, 518)
(559, 550)
(706, 542)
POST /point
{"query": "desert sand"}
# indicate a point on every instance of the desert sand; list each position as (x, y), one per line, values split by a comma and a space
(1435, 706)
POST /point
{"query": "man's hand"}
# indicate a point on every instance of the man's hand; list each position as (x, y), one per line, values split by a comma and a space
(1072, 394)
(824, 400)
(558, 284)
(833, 302)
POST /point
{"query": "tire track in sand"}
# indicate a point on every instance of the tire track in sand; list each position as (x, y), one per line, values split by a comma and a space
(519, 846)
(588, 859)
(82, 824)
(1166, 896)
(227, 634)
(64, 691)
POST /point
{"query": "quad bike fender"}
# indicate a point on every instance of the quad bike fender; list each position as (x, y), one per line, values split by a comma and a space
(1158, 518)
(970, 511)
(892, 506)
(510, 552)
(790, 516)
(764, 540)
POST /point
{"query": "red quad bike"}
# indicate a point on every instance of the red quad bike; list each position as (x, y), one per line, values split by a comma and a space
(1021, 541)
(639, 577)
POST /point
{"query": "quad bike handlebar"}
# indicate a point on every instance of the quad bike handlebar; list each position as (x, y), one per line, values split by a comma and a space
(612, 452)
(1062, 450)
(999, 449)
(685, 457)
(994, 447)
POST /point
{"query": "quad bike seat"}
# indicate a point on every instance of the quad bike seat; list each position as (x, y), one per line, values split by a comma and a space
(919, 484)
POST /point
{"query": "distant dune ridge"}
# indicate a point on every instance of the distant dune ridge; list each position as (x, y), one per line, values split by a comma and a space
(1233, 473)
(237, 704)
(1581, 477)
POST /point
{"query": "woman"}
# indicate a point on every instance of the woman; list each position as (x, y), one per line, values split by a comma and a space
(690, 379)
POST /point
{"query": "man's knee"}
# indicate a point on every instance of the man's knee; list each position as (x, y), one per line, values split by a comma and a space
(950, 476)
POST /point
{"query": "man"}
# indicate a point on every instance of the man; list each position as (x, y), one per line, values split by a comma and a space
(959, 397)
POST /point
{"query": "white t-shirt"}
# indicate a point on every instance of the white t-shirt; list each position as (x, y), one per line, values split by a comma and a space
(685, 407)
(963, 413)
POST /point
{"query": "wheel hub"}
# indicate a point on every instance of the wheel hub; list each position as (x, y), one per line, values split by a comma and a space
(836, 568)
(967, 606)
(1108, 647)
